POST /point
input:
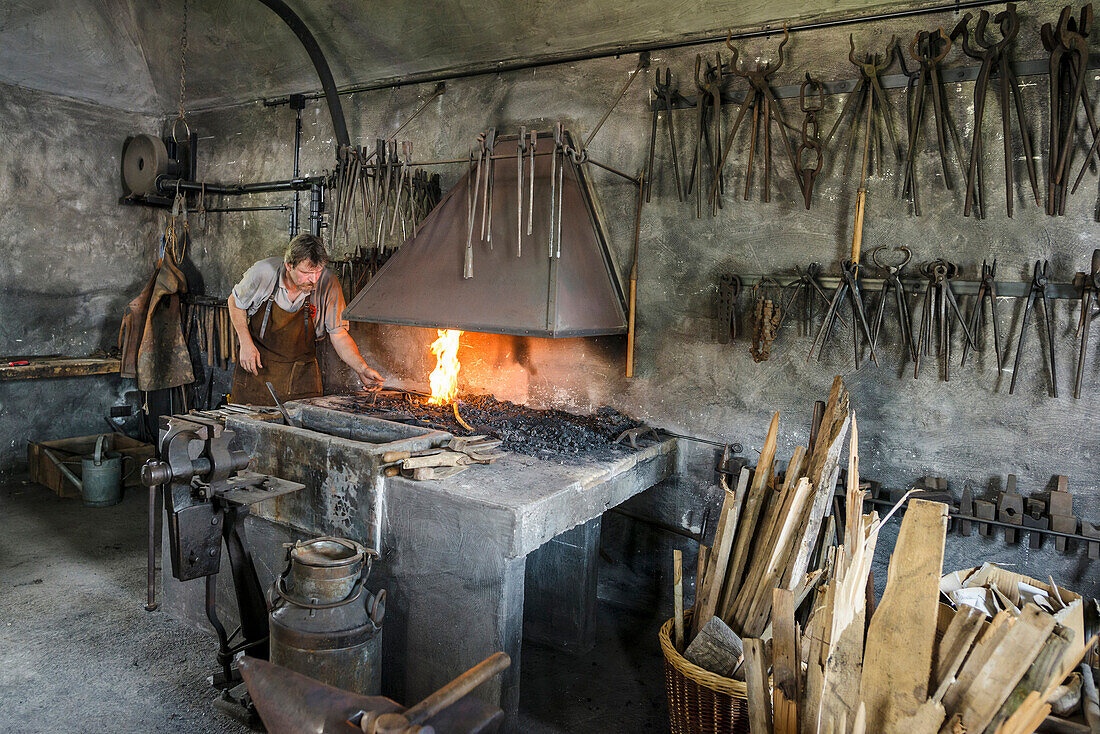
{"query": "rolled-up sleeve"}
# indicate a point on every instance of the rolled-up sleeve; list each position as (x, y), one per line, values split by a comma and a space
(255, 285)
(330, 305)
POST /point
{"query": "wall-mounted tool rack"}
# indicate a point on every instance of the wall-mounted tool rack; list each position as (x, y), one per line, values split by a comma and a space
(956, 74)
(1005, 289)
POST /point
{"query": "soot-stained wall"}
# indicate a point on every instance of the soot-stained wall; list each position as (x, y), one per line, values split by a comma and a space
(969, 430)
(72, 259)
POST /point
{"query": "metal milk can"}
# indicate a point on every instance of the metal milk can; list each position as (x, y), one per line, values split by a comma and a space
(324, 622)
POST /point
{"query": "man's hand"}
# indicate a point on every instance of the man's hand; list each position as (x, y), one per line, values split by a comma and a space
(370, 377)
(250, 357)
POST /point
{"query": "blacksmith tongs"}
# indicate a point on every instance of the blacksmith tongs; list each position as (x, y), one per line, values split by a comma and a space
(1038, 288)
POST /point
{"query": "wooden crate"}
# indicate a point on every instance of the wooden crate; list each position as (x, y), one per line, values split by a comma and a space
(69, 450)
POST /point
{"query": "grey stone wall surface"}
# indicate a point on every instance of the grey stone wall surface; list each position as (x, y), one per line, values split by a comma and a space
(969, 430)
(72, 258)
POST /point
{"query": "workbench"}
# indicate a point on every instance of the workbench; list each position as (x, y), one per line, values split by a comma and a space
(55, 365)
(459, 556)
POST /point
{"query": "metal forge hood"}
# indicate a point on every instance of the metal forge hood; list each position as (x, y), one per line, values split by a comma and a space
(518, 290)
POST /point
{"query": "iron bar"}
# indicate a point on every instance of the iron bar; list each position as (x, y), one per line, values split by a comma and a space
(643, 63)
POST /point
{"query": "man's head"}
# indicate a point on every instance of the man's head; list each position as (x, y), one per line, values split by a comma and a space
(305, 260)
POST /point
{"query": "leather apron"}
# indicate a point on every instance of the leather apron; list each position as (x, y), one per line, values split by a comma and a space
(287, 343)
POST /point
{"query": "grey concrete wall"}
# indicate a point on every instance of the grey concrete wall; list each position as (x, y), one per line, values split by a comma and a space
(968, 430)
(72, 259)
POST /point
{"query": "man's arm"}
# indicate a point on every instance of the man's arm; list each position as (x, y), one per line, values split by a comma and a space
(249, 357)
(349, 352)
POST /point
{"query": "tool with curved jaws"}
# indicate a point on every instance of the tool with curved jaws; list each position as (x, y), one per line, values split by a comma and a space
(987, 291)
(901, 299)
(869, 90)
(765, 110)
(1038, 290)
(928, 49)
(709, 84)
(995, 54)
(292, 703)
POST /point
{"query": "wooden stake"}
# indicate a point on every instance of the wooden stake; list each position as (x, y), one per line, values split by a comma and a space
(678, 598)
(756, 680)
(786, 668)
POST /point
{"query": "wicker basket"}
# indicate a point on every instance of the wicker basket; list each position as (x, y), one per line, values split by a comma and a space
(700, 702)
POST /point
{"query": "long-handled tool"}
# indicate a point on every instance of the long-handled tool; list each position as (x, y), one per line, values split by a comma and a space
(995, 55)
(929, 49)
(633, 305)
(1038, 289)
(893, 281)
(707, 104)
(663, 102)
(1088, 297)
(765, 111)
(936, 317)
(1069, 52)
(987, 291)
(521, 149)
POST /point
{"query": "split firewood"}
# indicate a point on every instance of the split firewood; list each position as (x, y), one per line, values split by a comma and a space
(678, 599)
(756, 680)
(716, 648)
(786, 665)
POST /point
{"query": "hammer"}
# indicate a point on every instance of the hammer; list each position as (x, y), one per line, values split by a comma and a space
(411, 721)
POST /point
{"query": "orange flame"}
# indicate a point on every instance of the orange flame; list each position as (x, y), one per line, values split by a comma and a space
(444, 378)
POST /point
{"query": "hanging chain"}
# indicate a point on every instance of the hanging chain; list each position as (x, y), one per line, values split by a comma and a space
(183, 61)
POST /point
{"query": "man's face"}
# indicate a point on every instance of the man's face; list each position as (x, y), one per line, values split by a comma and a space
(304, 275)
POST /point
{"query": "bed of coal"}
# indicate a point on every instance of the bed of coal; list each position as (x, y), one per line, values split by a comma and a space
(543, 433)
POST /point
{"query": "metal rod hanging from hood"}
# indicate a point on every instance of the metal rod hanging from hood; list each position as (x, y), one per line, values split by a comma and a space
(289, 17)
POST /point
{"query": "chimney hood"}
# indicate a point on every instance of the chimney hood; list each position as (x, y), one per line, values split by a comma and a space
(522, 291)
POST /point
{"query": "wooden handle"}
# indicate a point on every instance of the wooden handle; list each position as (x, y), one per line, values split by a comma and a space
(857, 230)
(630, 328)
(459, 687)
(678, 598)
(391, 457)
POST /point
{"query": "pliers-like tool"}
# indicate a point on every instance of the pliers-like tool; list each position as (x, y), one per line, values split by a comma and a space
(1088, 298)
(849, 285)
(663, 93)
(987, 291)
(893, 280)
(1037, 289)
(937, 297)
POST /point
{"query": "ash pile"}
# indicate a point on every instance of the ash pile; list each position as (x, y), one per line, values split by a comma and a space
(522, 430)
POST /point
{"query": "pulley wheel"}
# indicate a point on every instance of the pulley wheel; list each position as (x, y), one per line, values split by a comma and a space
(144, 158)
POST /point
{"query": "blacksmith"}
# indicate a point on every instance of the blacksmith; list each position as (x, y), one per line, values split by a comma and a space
(280, 309)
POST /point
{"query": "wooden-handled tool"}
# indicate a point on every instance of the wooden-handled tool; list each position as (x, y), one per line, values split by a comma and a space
(861, 195)
(634, 279)
(412, 719)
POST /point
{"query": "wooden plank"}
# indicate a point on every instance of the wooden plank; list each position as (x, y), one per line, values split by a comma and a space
(767, 544)
(897, 662)
(756, 680)
(739, 502)
(954, 647)
(49, 367)
(824, 467)
(1045, 667)
(760, 610)
(786, 666)
(716, 570)
(988, 639)
(1004, 668)
(751, 513)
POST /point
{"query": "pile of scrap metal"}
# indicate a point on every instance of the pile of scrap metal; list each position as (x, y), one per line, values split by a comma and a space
(291, 703)
(454, 457)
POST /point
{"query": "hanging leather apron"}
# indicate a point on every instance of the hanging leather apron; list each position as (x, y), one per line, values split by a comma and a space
(287, 343)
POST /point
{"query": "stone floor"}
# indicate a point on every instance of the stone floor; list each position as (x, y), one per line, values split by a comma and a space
(79, 653)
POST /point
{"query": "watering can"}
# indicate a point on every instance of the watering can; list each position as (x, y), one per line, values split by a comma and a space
(101, 480)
